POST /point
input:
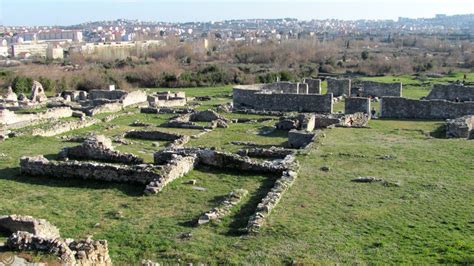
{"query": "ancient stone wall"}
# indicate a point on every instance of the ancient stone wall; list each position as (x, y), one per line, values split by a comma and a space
(272, 152)
(224, 207)
(451, 92)
(40, 166)
(300, 138)
(111, 107)
(357, 105)
(252, 97)
(176, 167)
(339, 87)
(59, 127)
(314, 85)
(134, 97)
(99, 148)
(152, 135)
(109, 95)
(397, 107)
(8, 117)
(367, 88)
(40, 227)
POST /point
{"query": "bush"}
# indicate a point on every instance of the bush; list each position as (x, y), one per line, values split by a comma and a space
(22, 84)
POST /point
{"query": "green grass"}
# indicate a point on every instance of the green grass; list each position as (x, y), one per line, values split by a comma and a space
(322, 219)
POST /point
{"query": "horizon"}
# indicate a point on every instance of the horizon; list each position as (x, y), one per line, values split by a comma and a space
(67, 13)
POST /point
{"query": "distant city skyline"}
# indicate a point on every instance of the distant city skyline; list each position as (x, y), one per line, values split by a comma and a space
(63, 12)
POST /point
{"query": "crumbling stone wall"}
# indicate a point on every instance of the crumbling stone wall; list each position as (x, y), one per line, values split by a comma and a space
(300, 138)
(224, 207)
(451, 92)
(273, 152)
(105, 94)
(301, 121)
(461, 127)
(314, 85)
(133, 98)
(8, 117)
(176, 167)
(339, 87)
(152, 135)
(357, 105)
(367, 88)
(253, 97)
(167, 99)
(165, 110)
(40, 166)
(59, 127)
(111, 107)
(397, 107)
(99, 148)
(39, 227)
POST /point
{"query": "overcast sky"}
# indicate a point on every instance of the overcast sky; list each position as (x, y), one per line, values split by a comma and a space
(68, 12)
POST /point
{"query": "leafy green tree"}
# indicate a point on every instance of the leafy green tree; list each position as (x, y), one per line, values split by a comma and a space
(22, 84)
(364, 55)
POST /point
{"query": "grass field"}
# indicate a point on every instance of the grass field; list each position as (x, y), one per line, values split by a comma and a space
(323, 219)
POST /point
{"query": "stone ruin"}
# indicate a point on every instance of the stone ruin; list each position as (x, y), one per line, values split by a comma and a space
(339, 87)
(188, 120)
(167, 99)
(314, 85)
(11, 119)
(451, 92)
(461, 127)
(37, 93)
(177, 139)
(402, 108)
(286, 97)
(98, 147)
(301, 139)
(367, 88)
(30, 234)
(224, 207)
(357, 105)
(300, 121)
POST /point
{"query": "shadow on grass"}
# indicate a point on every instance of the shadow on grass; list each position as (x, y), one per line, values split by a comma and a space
(13, 174)
(439, 132)
(271, 132)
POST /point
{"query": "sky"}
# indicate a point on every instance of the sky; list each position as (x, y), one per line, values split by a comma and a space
(70, 12)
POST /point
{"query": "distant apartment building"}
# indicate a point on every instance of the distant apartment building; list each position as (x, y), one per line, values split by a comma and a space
(34, 49)
(52, 35)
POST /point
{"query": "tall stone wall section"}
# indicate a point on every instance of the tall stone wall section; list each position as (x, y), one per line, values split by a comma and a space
(367, 88)
(354, 105)
(109, 95)
(451, 92)
(314, 85)
(398, 107)
(339, 87)
(254, 99)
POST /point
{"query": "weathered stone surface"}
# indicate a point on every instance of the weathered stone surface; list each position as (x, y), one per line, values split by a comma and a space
(357, 105)
(273, 152)
(339, 87)
(367, 88)
(8, 117)
(314, 85)
(91, 252)
(167, 99)
(461, 127)
(37, 93)
(165, 110)
(176, 167)
(59, 127)
(224, 207)
(39, 227)
(451, 92)
(355, 120)
(152, 135)
(10, 96)
(40, 166)
(301, 122)
(264, 97)
(300, 138)
(99, 148)
(397, 107)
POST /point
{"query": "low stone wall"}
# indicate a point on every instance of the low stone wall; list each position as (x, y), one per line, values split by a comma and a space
(265, 207)
(176, 167)
(325, 121)
(339, 87)
(8, 117)
(224, 207)
(357, 105)
(251, 97)
(133, 98)
(397, 107)
(272, 152)
(461, 127)
(165, 110)
(105, 94)
(40, 166)
(451, 92)
(300, 138)
(59, 127)
(99, 148)
(112, 107)
(152, 135)
(367, 88)
(39, 227)
(314, 85)
(301, 122)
